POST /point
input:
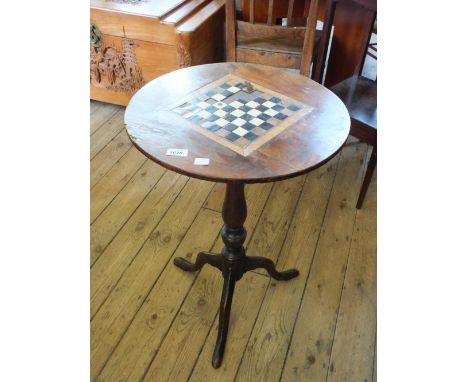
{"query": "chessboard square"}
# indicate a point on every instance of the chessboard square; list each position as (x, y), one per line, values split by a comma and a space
(214, 127)
(262, 108)
(294, 107)
(211, 109)
(232, 137)
(236, 104)
(219, 105)
(221, 122)
(268, 104)
(278, 107)
(204, 114)
(222, 132)
(248, 126)
(239, 122)
(281, 116)
(226, 93)
(245, 108)
(212, 118)
(220, 113)
(248, 117)
(271, 112)
(230, 127)
(251, 136)
(240, 131)
(228, 109)
(240, 85)
(195, 118)
(203, 105)
(230, 117)
(225, 86)
(210, 93)
(266, 126)
(260, 100)
(252, 104)
(264, 116)
(218, 97)
(238, 113)
(254, 112)
(256, 121)
(275, 99)
(233, 89)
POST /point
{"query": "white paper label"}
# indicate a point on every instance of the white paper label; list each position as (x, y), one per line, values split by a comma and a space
(202, 161)
(177, 152)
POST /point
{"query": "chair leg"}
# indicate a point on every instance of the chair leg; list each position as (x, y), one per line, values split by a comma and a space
(367, 177)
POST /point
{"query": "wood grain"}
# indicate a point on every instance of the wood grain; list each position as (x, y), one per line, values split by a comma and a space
(104, 191)
(272, 332)
(123, 206)
(108, 156)
(113, 261)
(311, 344)
(108, 130)
(353, 348)
(130, 290)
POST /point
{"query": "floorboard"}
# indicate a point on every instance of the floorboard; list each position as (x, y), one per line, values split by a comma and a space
(150, 321)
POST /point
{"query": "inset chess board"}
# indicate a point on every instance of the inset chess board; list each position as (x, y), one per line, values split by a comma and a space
(239, 114)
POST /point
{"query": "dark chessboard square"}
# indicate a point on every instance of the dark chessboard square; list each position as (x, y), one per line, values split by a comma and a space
(280, 116)
(195, 118)
(264, 117)
(225, 86)
(226, 93)
(212, 118)
(245, 108)
(251, 136)
(278, 107)
(293, 107)
(247, 117)
(228, 109)
(232, 137)
(275, 99)
(261, 108)
(229, 117)
(259, 100)
(213, 127)
(230, 127)
(211, 109)
(266, 126)
(210, 93)
(242, 100)
(240, 85)
(248, 126)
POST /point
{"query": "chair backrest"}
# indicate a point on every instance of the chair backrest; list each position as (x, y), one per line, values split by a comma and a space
(288, 46)
(366, 6)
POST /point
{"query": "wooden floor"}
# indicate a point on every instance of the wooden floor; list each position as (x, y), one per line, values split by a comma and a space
(150, 321)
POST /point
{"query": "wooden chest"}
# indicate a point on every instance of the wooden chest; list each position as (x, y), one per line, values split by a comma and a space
(135, 41)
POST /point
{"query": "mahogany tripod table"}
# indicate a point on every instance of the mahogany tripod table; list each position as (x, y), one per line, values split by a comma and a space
(236, 123)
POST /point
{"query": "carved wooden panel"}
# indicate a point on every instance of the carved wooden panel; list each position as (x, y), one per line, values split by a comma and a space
(116, 69)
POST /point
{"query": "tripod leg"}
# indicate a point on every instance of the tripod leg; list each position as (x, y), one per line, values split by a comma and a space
(254, 262)
(224, 313)
(202, 259)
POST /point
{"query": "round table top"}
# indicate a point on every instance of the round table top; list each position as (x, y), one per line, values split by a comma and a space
(237, 122)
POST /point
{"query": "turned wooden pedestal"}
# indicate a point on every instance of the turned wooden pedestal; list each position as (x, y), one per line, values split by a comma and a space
(254, 124)
(232, 261)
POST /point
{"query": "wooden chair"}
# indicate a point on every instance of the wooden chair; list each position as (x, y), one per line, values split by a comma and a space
(358, 93)
(271, 44)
